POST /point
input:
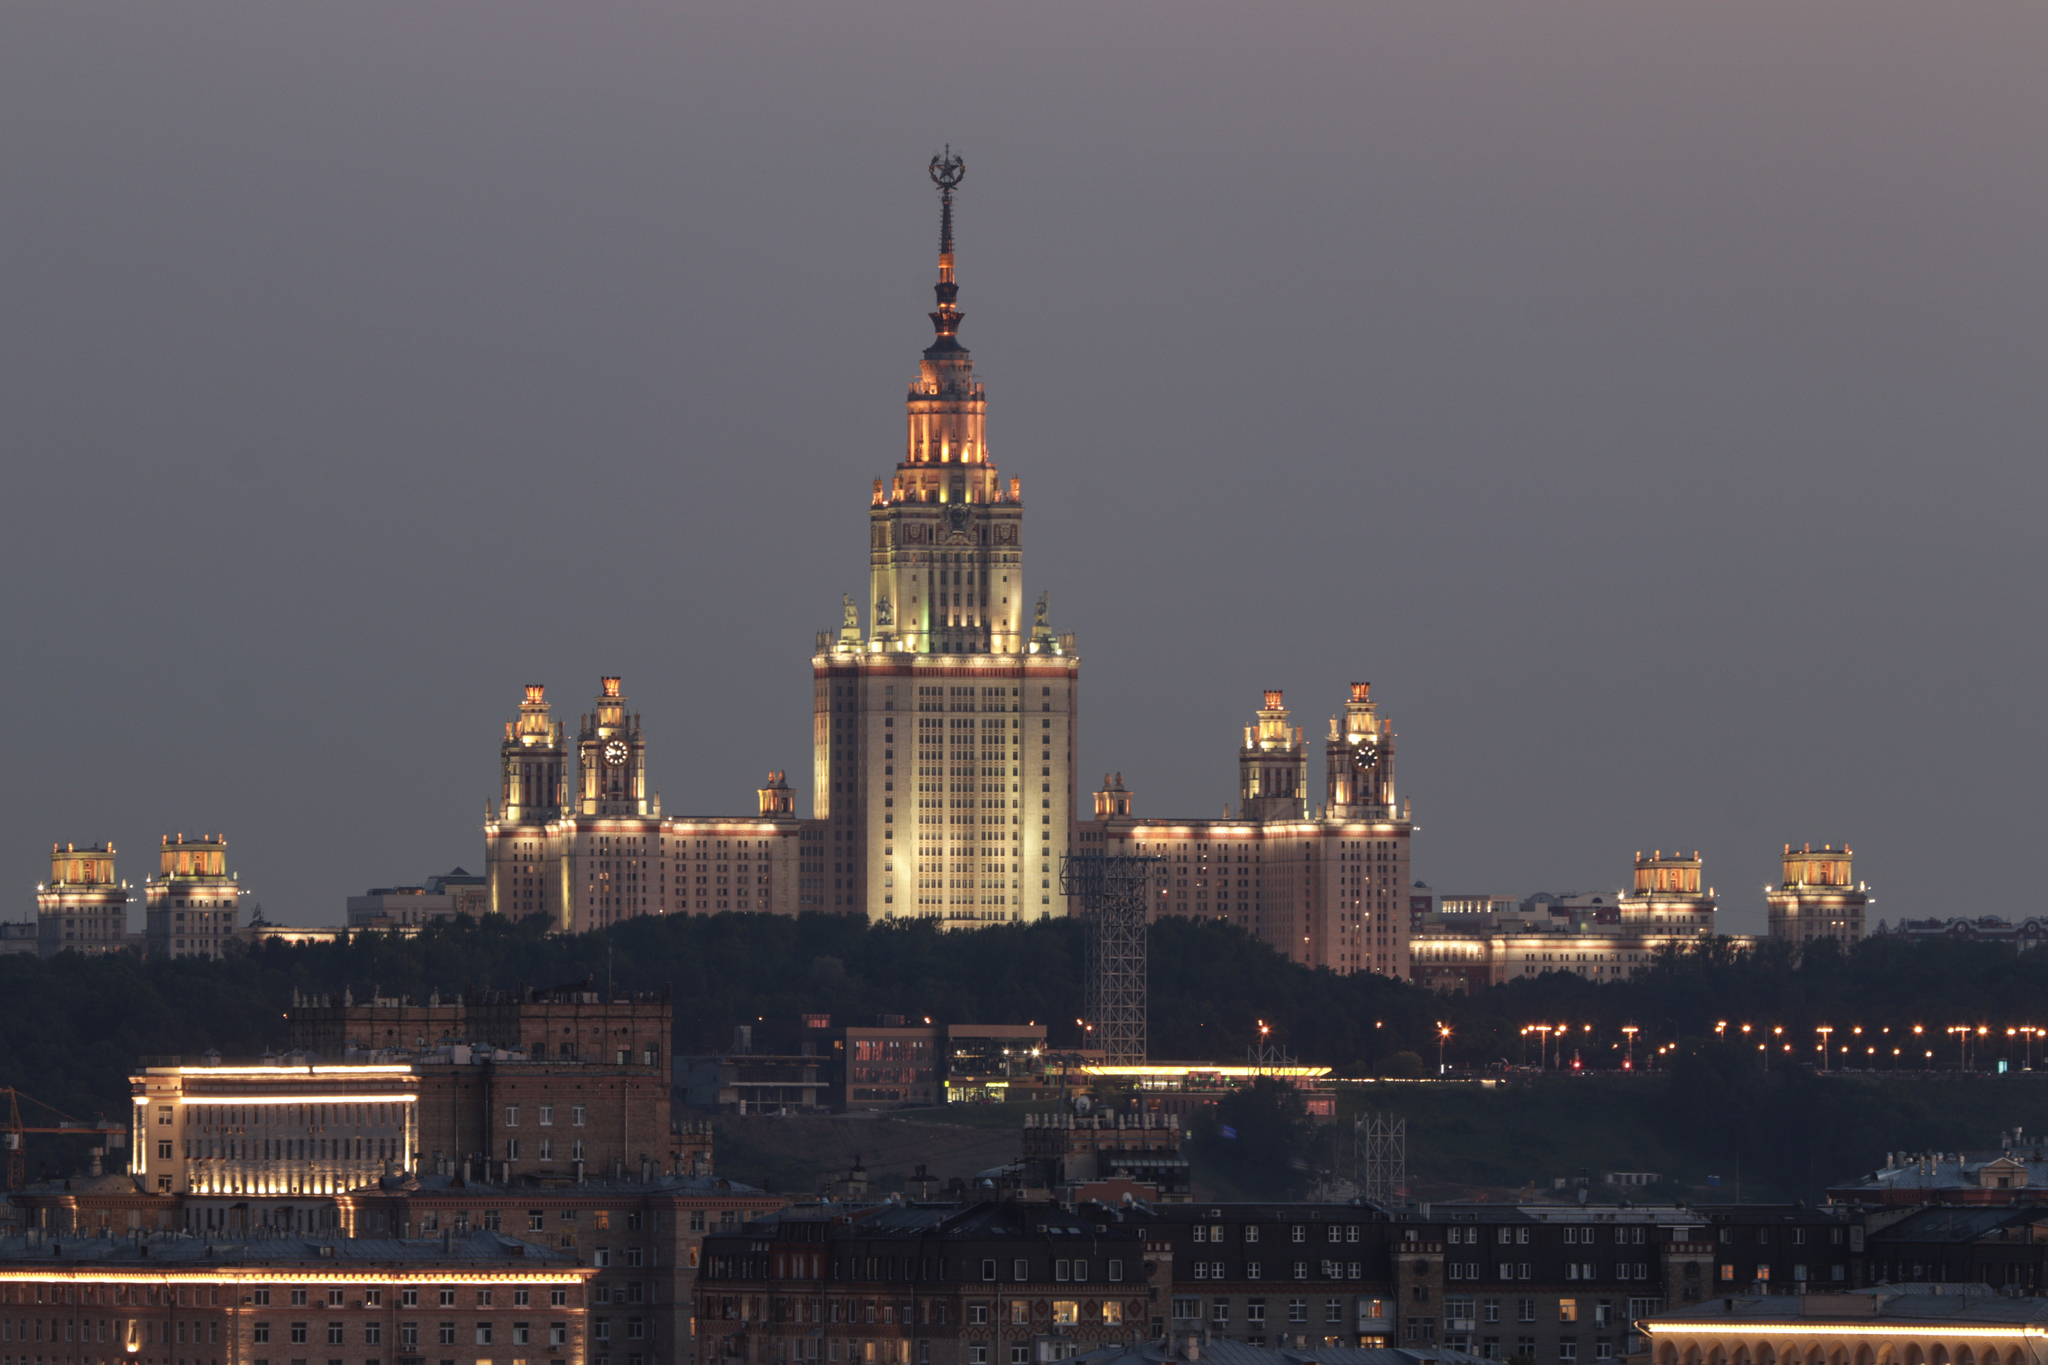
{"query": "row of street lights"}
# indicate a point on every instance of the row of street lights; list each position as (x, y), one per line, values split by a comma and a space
(1873, 1052)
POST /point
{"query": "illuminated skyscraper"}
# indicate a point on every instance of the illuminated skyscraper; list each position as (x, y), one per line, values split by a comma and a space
(944, 733)
(83, 908)
(189, 907)
(1819, 898)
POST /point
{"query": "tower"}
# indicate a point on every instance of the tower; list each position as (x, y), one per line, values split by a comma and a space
(82, 908)
(189, 907)
(1359, 760)
(944, 735)
(1272, 766)
(611, 757)
(1668, 897)
(1819, 897)
(521, 865)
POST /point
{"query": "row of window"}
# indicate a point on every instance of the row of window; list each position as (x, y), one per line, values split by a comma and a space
(373, 1297)
(486, 1333)
(1298, 1232)
(1256, 1270)
(1573, 1270)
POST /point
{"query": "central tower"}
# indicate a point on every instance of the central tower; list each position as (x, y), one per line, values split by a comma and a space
(944, 733)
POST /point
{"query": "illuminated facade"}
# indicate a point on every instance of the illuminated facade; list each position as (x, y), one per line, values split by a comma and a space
(83, 908)
(1819, 898)
(603, 852)
(943, 735)
(1326, 888)
(1668, 897)
(190, 905)
(268, 1146)
(163, 1299)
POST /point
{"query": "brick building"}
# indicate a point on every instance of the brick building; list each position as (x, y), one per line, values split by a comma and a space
(987, 1283)
(554, 1084)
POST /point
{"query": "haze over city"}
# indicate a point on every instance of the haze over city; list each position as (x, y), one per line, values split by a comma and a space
(1648, 402)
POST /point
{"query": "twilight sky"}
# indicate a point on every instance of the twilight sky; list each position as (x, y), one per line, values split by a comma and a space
(1647, 399)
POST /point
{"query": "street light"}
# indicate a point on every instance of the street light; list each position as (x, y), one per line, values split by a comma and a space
(1824, 1030)
(1443, 1035)
(1630, 1030)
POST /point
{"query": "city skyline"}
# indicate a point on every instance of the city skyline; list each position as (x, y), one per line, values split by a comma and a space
(1625, 396)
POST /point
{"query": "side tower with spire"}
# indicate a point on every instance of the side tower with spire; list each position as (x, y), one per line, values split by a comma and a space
(944, 731)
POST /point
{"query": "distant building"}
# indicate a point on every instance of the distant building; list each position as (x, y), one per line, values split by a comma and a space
(407, 908)
(2018, 935)
(83, 908)
(586, 844)
(1668, 897)
(1327, 887)
(1819, 898)
(191, 904)
(19, 936)
(1477, 948)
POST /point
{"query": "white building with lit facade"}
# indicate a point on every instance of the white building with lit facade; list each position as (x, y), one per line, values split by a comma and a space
(269, 1145)
(1819, 897)
(1667, 908)
(83, 908)
(190, 905)
(1324, 886)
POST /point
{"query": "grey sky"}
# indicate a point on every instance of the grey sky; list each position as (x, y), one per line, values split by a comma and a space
(1647, 399)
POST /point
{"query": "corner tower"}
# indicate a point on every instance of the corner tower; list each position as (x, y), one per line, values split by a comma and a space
(1819, 897)
(944, 734)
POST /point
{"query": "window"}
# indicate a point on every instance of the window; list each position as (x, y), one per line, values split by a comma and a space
(988, 1270)
(1300, 1233)
(1297, 1310)
(1333, 1310)
(1065, 1312)
(977, 1314)
(977, 1355)
(1113, 1313)
(483, 1334)
(262, 1297)
(1255, 1312)
(447, 1298)
(1301, 1270)
(536, 1220)
(522, 1335)
(163, 1151)
(1525, 1310)
(261, 1334)
(409, 1335)
(334, 1337)
(511, 1116)
(408, 1298)
(298, 1298)
(1020, 1313)
(1188, 1310)
(1251, 1232)
(299, 1333)
(373, 1334)
(1021, 1270)
(576, 1113)
(1219, 1312)
(547, 1115)
(1116, 1271)
(373, 1298)
(447, 1334)
(1567, 1310)
(558, 1332)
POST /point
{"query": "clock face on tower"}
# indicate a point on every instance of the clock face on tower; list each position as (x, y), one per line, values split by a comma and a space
(1365, 756)
(615, 752)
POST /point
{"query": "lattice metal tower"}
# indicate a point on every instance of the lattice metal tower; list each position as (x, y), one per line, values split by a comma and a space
(1380, 1155)
(1111, 894)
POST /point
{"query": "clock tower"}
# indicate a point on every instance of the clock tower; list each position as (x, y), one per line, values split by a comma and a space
(1359, 760)
(611, 757)
(944, 734)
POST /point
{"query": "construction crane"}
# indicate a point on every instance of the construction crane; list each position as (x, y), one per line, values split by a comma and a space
(14, 1135)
